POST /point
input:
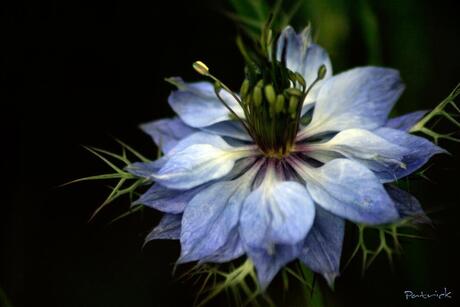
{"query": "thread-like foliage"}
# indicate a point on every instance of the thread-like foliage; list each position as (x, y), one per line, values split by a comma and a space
(238, 281)
(127, 183)
(441, 112)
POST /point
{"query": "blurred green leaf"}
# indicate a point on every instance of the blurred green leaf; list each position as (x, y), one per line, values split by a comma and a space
(4, 301)
(370, 31)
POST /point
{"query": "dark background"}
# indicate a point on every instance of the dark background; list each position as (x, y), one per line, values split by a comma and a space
(77, 73)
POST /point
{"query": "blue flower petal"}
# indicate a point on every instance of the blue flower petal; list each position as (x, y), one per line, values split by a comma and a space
(358, 98)
(168, 229)
(167, 132)
(232, 249)
(200, 163)
(276, 213)
(212, 215)
(322, 248)
(385, 159)
(174, 201)
(268, 263)
(406, 121)
(167, 200)
(407, 205)
(229, 128)
(304, 57)
(348, 189)
(418, 150)
(198, 106)
(294, 46)
(145, 169)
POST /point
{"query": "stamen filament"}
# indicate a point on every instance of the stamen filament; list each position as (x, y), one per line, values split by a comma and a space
(216, 90)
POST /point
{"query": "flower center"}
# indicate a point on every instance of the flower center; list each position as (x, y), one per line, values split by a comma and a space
(271, 97)
(272, 100)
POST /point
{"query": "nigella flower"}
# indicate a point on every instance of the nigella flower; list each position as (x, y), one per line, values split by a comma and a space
(274, 171)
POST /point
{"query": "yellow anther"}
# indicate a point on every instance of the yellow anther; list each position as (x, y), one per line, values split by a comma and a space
(201, 68)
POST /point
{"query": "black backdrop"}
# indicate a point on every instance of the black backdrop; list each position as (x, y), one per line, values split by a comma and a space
(81, 72)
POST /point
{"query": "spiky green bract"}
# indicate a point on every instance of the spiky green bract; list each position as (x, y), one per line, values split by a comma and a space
(441, 112)
(238, 281)
(127, 183)
(251, 16)
(387, 237)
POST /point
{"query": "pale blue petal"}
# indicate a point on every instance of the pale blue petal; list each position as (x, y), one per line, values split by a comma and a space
(197, 138)
(195, 165)
(418, 150)
(168, 228)
(315, 57)
(407, 205)
(268, 263)
(198, 106)
(384, 158)
(322, 248)
(232, 249)
(211, 216)
(325, 156)
(358, 98)
(145, 169)
(304, 57)
(167, 132)
(294, 46)
(406, 121)
(200, 163)
(229, 128)
(350, 190)
(167, 200)
(174, 201)
(276, 213)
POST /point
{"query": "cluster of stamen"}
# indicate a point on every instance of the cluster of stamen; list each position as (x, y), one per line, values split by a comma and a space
(271, 98)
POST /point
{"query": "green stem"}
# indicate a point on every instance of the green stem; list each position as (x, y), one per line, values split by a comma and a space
(313, 293)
